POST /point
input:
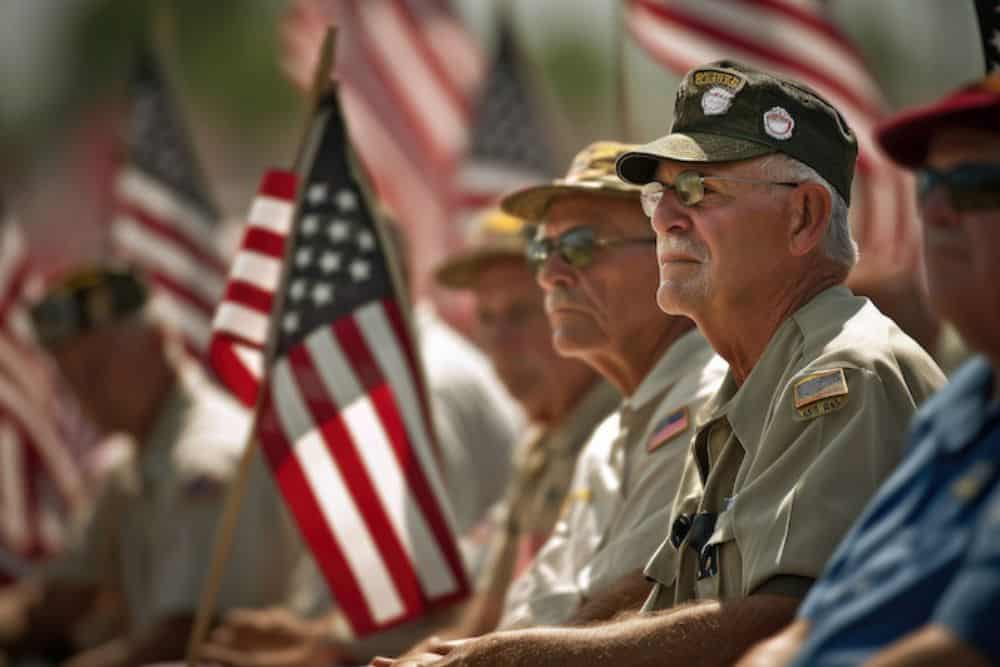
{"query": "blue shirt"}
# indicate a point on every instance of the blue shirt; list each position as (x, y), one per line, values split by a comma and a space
(927, 548)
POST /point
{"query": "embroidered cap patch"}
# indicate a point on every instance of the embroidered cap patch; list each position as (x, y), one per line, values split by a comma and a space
(674, 423)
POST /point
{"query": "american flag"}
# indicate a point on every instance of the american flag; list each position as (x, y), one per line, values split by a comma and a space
(43, 436)
(165, 222)
(796, 39)
(408, 73)
(343, 420)
(509, 146)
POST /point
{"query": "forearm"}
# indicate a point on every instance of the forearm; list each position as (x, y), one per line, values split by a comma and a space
(706, 633)
(626, 594)
(930, 646)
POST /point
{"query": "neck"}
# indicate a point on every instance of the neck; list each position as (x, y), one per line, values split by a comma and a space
(573, 386)
(739, 333)
(629, 361)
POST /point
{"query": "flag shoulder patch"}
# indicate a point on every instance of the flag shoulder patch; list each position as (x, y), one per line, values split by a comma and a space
(819, 393)
(669, 427)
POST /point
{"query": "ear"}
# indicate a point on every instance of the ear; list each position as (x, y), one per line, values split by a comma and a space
(810, 206)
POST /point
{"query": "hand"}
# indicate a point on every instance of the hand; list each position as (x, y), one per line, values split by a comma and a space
(427, 652)
(270, 638)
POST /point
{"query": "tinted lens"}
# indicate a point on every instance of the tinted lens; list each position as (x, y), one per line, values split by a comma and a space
(970, 186)
(650, 197)
(577, 246)
(537, 251)
(689, 187)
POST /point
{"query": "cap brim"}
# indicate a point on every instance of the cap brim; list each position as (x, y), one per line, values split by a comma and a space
(639, 166)
(463, 271)
(532, 203)
(906, 138)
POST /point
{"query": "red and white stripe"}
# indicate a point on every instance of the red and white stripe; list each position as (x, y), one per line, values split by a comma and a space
(409, 73)
(172, 242)
(240, 326)
(345, 431)
(794, 38)
(42, 475)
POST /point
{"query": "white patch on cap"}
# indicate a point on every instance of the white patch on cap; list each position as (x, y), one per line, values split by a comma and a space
(778, 123)
(716, 101)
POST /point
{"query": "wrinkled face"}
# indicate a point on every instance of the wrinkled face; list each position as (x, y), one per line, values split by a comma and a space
(597, 308)
(717, 253)
(514, 333)
(962, 248)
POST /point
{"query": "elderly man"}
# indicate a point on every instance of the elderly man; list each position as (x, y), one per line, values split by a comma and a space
(917, 581)
(564, 399)
(748, 197)
(595, 259)
(153, 527)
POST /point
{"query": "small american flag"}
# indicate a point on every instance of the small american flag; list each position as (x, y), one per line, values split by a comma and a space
(796, 39)
(343, 420)
(43, 437)
(165, 223)
(409, 73)
(509, 145)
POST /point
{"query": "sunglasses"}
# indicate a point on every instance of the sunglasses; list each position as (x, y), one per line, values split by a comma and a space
(971, 186)
(689, 186)
(576, 247)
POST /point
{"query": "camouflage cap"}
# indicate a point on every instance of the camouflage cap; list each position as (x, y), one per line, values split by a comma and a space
(493, 235)
(86, 299)
(726, 111)
(592, 170)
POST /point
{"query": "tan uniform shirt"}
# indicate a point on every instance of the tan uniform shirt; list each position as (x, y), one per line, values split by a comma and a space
(152, 530)
(622, 488)
(783, 464)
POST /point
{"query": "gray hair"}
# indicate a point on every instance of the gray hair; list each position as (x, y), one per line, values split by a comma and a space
(838, 244)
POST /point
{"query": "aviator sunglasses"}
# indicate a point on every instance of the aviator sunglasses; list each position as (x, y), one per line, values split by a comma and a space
(971, 186)
(576, 247)
(689, 187)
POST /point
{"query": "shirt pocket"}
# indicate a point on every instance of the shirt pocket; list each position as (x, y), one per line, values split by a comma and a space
(718, 567)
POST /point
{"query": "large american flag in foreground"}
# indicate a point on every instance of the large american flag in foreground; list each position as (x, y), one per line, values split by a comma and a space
(165, 222)
(795, 38)
(408, 73)
(343, 420)
(43, 437)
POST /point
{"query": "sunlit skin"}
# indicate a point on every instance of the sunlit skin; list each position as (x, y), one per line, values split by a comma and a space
(961, 248)
(515, 334)
(730, 263)
(605, 313)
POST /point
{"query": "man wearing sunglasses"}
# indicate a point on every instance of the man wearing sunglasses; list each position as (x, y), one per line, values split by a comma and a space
(917, 581)
(748, 196)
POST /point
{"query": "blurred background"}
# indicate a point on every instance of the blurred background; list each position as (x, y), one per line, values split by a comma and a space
(65, 66)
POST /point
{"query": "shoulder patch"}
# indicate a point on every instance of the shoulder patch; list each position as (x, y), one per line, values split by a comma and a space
(820, 393)
(672, 425)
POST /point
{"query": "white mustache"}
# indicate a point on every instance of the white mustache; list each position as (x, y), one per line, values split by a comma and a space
(679, 245)
(557, 299)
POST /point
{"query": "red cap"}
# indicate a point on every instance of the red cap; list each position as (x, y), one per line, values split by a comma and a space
(905, 136)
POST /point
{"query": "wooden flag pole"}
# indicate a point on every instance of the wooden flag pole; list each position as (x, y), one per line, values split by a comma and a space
(322, 83)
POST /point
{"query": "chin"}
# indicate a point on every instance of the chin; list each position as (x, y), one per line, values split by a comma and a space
(673, 300)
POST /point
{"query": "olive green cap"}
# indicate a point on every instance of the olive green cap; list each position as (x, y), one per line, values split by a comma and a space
(592, 170)
(84, 300)
(492, 235)
(726, 111)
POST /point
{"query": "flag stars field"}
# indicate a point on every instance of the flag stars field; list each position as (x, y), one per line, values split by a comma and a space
(339, 230)
(347, 201)
(360, 270)
(298, 290)
(329, 262)
(322, 294)
(303, 257)
(316, 193)
(310, 225)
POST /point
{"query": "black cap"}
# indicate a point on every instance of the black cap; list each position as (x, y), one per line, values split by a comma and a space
(727, 111)
(87, 299)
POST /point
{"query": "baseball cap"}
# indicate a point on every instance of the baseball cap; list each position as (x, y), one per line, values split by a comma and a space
(726, 111)
(592, 170)
(905, 137)
(86, 299)
(492, 235)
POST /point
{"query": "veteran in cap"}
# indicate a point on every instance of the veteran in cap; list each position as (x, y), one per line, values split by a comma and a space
(748, 199)
(152, 529)
(594, 257)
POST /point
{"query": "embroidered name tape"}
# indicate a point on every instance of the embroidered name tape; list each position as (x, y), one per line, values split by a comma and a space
(672, 425)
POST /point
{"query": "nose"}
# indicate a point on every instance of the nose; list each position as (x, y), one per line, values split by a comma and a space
(555, 272)
(670, 215)
(937, 211)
